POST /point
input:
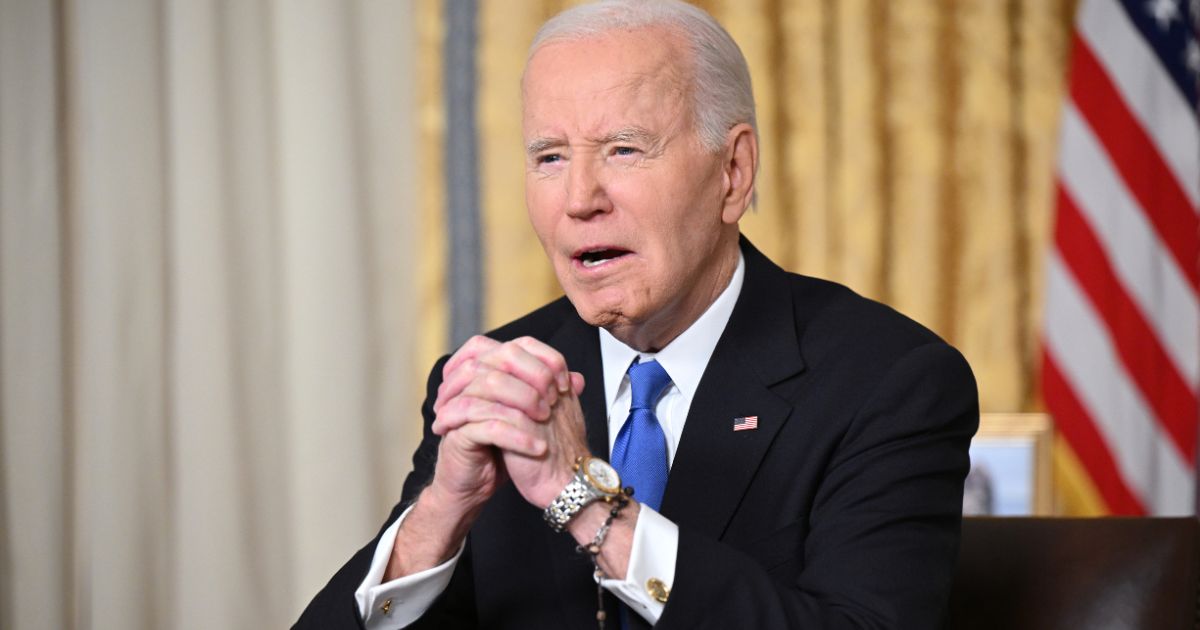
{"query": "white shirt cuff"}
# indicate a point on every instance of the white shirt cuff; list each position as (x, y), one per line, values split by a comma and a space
(652, 556)
(403, 600)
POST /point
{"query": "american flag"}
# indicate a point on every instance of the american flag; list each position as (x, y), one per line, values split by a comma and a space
(1121, 357)
(745, 424)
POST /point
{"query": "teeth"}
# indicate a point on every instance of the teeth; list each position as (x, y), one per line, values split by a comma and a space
(599, 257)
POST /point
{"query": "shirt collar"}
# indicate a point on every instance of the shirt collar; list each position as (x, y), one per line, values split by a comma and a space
(686, 357)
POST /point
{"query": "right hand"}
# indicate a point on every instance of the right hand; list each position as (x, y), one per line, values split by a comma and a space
(491, 396)
(492, 399)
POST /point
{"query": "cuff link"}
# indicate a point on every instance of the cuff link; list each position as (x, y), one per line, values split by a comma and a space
(386, 608)
(656, 589)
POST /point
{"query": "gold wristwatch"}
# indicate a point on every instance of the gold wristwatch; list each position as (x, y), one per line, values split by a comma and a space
(595, 479)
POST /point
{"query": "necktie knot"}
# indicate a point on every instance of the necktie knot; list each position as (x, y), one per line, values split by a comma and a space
(648, 381)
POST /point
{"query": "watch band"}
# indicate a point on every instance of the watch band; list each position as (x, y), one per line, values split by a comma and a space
(567, 504)
(579, 492)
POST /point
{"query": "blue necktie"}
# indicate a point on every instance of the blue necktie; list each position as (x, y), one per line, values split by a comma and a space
(640, 450)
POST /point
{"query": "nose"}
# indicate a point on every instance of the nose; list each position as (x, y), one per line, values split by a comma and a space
(586, 194)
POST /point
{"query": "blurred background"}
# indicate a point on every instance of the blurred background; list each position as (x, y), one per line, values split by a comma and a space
(235, 235)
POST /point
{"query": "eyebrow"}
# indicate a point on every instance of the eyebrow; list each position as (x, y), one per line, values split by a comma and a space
(625, 134)
(541, 144)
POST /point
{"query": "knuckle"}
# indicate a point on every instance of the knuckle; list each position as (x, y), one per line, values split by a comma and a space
(493, 379)
(460, 405)
(545, 377)
(506, 412)
(529, 397)
(506, 359)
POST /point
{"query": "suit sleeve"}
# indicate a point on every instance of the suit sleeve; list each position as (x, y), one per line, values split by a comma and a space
(884, 526)
(334, 607)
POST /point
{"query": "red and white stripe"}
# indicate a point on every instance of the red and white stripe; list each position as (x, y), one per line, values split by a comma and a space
(1121, 361)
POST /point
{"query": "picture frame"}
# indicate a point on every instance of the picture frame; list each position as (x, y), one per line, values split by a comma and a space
(1011, 466)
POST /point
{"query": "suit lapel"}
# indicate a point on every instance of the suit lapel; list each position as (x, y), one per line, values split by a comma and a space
(714, 464)
(759, 349)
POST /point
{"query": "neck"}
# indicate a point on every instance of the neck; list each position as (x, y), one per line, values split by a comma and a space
(656, 332)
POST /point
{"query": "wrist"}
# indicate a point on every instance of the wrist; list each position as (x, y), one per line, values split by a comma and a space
(589, 519)
(431, 533)
(592, 479)
(614, 553)
(449, 504)
(564, 476)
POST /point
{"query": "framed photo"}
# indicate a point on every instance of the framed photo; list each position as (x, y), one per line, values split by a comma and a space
(1010, 466)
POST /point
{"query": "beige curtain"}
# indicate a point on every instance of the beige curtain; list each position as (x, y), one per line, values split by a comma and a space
(908, 152)
(221, 247)
(211, 266)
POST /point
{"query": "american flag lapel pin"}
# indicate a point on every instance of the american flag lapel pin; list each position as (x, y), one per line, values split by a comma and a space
(747, 423)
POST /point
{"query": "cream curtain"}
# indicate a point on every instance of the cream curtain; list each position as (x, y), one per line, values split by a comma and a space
(221, 248)
(908, 151)
(211, 268)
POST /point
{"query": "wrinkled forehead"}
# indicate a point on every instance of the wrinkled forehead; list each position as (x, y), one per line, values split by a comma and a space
(609, 64)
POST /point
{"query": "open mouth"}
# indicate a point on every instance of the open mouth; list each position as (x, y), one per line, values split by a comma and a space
(596, 257)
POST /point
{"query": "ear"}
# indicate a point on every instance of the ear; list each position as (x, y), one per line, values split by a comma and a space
(740, 163)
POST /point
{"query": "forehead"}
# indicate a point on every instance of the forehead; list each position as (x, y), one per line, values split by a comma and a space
(606, 79)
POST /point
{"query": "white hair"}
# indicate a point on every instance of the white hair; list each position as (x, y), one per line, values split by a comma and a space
(721, 92)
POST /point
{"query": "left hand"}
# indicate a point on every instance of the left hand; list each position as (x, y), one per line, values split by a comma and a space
(541, 479)
(524, 366)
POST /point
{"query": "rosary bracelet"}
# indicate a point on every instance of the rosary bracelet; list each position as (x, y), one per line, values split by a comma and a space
(592, 549)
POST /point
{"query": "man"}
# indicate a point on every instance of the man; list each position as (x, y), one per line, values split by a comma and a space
(796, 452)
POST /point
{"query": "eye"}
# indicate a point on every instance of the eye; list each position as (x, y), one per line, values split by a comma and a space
(624, 151)
(548, 158)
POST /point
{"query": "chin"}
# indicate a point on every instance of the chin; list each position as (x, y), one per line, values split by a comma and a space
(602, 318)
(597, 314)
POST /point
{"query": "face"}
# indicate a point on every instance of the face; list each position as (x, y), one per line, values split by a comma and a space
(633, 212)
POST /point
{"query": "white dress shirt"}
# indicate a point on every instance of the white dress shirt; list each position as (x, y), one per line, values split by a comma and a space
(655, 538)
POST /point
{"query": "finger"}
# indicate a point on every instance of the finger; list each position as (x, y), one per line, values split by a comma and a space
(577, 383)
(508, 390)
(502, 435)
(474, 347)
(463, 409)
(453, 382)
(486, 381)
(465, 355)
(513, 358)
(552, 358)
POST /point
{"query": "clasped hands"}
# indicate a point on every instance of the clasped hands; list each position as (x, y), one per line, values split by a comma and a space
(507, 410)
(504, 411)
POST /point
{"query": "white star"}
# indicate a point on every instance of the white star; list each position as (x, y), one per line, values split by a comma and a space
(1164, 11)
(1191, 56)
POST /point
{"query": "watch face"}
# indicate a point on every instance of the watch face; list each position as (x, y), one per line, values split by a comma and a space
(603, 475)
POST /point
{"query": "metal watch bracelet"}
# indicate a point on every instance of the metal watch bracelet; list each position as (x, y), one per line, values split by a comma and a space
(567, 504)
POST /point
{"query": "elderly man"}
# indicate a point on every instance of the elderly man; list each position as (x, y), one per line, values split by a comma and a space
(796, 452)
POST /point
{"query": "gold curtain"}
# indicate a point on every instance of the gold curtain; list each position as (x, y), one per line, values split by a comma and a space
(908, 151)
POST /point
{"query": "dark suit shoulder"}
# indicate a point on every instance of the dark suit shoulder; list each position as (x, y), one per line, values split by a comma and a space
(539, 323)
(838, 326)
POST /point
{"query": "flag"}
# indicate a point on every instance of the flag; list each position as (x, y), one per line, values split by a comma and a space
(747, 423)
(1121, 343)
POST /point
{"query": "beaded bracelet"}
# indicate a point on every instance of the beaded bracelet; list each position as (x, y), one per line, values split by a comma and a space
(592, 549)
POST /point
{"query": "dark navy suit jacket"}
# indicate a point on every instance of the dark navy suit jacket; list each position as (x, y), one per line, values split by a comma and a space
(842, 510)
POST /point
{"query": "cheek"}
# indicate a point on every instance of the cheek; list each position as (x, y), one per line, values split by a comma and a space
(540, 205)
